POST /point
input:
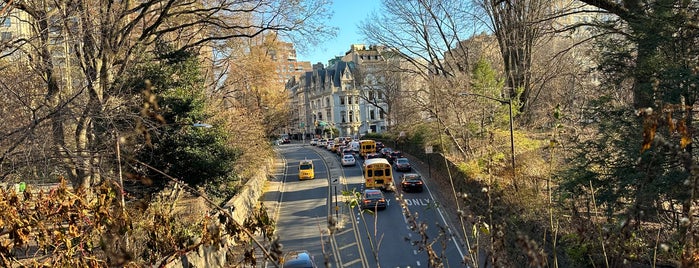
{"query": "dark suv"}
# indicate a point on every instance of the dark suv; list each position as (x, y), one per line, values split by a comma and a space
(394, 155)
(373, 155)
(379, 145)
(373, 199)
(411, 182)
(385, 152)
(402, 164)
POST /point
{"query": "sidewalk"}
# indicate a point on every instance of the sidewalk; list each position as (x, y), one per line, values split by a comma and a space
(271, 200)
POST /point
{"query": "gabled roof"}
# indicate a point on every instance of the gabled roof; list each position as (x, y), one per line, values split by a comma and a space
(340, 68)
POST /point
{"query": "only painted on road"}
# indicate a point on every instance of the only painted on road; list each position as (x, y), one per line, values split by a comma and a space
(418, 201)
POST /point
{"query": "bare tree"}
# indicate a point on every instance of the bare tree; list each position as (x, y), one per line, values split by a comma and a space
(100, 41)
(423, 32)
(380, 85)
(426, 35)
(251, 85)
(517, 25)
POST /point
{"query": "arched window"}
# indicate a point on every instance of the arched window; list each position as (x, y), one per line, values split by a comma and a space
(327, 102)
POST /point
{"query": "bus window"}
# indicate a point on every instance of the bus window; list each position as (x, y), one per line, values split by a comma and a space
(367, 147)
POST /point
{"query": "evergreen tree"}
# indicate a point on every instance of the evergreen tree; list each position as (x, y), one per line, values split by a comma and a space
(175, 145)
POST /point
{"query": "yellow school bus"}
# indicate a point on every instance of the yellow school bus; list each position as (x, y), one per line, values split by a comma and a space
(378, 174)
(367, 147)
(306, 170)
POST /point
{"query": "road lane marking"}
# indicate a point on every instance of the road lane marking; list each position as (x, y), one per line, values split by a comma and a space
(418, 201)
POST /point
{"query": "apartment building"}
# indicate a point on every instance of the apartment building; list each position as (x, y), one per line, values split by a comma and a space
(334, 97)
(12, 25)
(284, 57)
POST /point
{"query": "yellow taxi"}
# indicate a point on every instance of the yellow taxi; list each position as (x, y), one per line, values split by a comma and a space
(306, 170)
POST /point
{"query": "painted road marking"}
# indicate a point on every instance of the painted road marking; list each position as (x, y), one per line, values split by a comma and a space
(418, 201)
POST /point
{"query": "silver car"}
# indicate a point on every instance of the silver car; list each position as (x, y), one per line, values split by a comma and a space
(348, 160)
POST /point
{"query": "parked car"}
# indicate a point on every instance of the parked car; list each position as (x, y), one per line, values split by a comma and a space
(373, 199)
(298, 259)
(330, 145)
(348, 160)
(314, 142)
(394, 155)
(411, 182)
(323, 143)
(402, 164)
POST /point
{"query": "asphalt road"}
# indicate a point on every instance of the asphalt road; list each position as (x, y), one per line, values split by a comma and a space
(314, 215)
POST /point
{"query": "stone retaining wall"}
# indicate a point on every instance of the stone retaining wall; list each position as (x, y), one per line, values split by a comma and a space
(246, 201)
(240, 206)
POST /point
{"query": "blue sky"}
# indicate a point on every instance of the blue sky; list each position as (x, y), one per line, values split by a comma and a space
(347, 16)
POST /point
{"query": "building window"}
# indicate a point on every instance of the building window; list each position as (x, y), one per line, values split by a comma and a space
(327, 102)
(372, 115)
(342, 100)
(343, 117)
(349, 100)
(371, 95)
(330, 118)
(6, 36)
(356, 99)
(320, 116)
(351, 115)
(382, 115)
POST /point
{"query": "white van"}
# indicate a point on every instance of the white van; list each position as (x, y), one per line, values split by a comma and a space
(354, 146)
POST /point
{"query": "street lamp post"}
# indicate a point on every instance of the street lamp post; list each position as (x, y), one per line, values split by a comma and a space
(512, 136)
